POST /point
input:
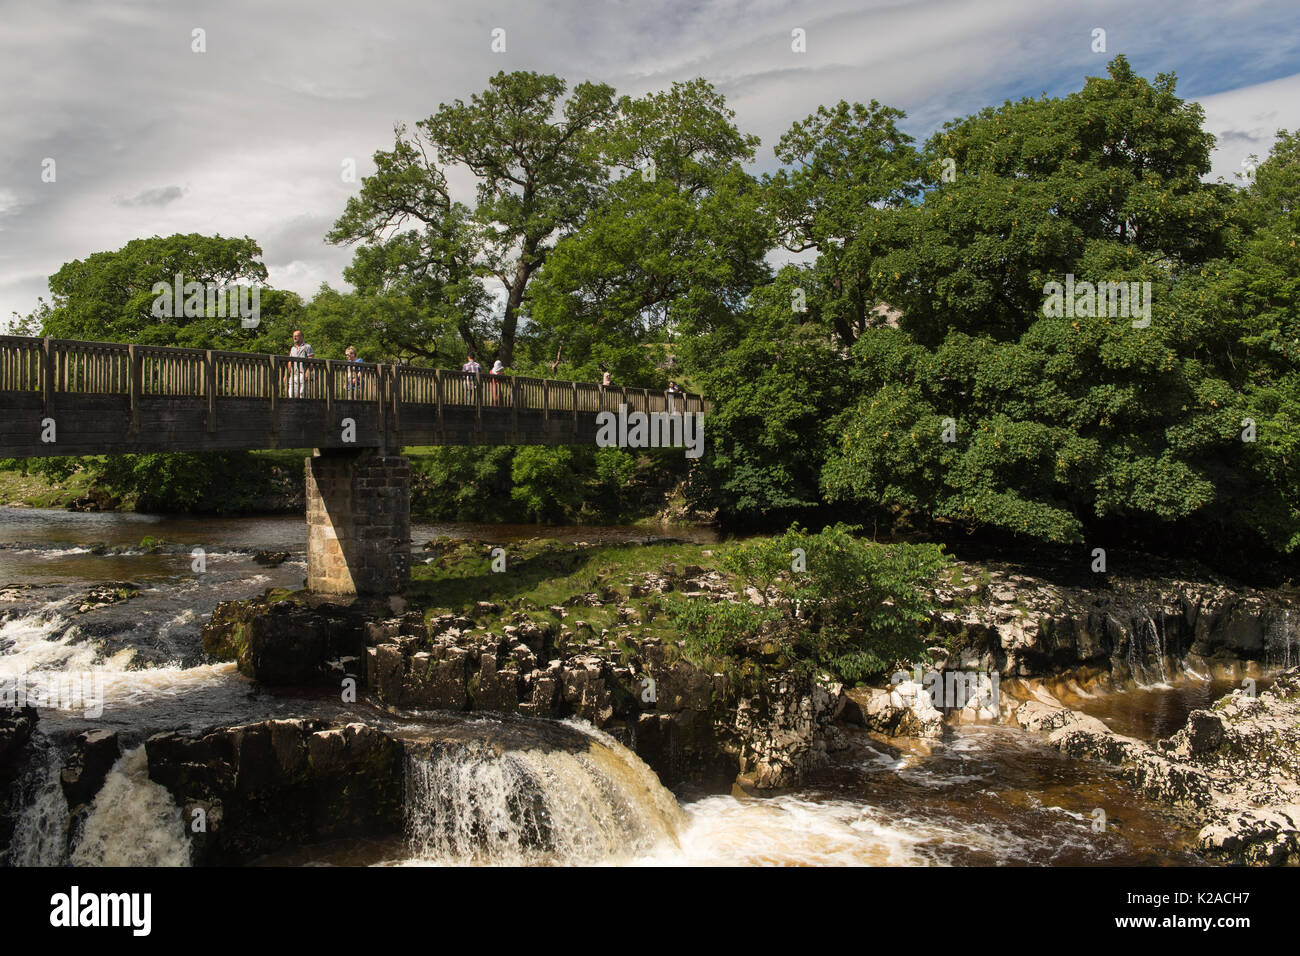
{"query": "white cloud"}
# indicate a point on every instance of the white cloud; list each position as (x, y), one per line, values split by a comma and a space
(252, 132)
(1246, 121)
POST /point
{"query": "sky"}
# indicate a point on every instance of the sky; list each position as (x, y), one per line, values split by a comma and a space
(149, 136)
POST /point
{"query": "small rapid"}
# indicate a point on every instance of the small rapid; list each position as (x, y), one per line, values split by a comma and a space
(533, 793)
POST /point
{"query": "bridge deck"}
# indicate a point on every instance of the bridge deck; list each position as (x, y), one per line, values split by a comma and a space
(106, 398)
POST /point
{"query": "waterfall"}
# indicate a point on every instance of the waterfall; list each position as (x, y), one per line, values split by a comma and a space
(41, 832)
(1136, 667)
(1280, 640)
(133, 821)
(1158, 637)
(516, 792)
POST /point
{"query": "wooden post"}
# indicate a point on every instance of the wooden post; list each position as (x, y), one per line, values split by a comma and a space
(546, 400)
(210, 385)
(329, 391)
(575, 407)
(514, 414)
(275, 388)
(437, 394)
(134, 361)
(478, 400)
(396, 423)
(623, 393)
(47, 398)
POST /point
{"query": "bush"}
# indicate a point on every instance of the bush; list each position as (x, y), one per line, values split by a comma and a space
(846, 606)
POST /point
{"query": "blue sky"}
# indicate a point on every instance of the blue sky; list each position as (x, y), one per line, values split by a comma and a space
(247, 138)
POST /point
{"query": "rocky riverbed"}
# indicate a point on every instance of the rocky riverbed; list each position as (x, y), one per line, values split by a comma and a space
(576, 632)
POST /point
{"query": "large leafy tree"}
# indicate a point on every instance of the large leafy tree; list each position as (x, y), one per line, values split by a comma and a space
(848, 169)
(988, 408)
(538, 173)
(109, 296)
(676, 243)
(777, 366)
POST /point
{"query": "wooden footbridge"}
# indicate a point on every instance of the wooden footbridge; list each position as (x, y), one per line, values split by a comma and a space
(62, 397)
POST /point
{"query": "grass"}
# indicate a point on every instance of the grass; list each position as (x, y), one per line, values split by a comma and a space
(36, 491)
(543, 573)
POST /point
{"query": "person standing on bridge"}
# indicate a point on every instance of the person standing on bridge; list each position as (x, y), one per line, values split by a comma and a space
(471, 370)
(673, 390)
(498, 367)
(296, 374)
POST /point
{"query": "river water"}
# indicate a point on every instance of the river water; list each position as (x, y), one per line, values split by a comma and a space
(986, 795)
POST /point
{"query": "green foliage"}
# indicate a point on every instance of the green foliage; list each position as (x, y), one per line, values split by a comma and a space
(534, 159)
(109, 297)
(855, 610)
(677, 241)
(777, 382)
(206, 482)
(986, 408)
(541, 484)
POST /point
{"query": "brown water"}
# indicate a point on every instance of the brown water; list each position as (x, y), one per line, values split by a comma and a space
(1154, 713)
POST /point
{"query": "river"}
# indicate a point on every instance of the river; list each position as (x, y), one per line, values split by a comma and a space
(986, 795)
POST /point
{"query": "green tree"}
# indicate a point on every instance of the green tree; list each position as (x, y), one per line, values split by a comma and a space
(990, 408)
(111, 297)
(677, 240)
(537, 176)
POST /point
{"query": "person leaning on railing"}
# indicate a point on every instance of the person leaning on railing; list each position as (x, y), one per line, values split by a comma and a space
(673, 390)
(352, 377)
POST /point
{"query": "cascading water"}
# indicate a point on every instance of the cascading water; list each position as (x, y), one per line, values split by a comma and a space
(41, 832)
(518, 792)
(133, 821)
(1282, 640)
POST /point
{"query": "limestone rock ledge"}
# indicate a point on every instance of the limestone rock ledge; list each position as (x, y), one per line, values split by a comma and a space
(1233, 768)
(689, 725)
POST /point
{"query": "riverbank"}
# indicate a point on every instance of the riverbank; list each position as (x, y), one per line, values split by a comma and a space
(477, 485)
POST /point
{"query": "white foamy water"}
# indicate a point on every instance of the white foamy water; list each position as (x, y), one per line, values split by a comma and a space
(527, 804)
(789, 830)
(49, 644)
(41, 832)
(133, 821)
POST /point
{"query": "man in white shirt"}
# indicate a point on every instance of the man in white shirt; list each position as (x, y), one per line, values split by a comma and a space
(296, 373)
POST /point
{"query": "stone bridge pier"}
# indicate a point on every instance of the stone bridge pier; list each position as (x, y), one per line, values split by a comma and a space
(358, 522)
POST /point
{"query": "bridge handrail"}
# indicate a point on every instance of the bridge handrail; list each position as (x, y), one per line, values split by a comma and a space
(54, 366)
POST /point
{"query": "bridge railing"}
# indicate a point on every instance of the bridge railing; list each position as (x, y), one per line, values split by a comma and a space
(55, 366)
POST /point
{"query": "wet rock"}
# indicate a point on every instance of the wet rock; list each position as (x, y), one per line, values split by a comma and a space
(267, 786)
(93, 755)
(111, 592)
(287, 643)
(16, 729)
(903, 710)
(1234, 767)
(781, 732)
(271, 559)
